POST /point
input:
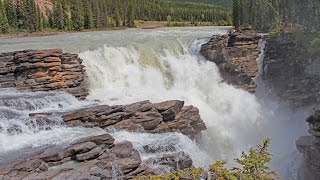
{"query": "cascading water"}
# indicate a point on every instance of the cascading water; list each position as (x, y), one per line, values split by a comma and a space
(22, 133)
(235, 119)
(134, 65)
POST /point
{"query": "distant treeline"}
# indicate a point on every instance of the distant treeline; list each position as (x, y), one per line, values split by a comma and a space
(226, 3)
(267, 14)
(68, 15)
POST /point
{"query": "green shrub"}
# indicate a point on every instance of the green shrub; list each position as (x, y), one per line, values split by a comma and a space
(252, 166)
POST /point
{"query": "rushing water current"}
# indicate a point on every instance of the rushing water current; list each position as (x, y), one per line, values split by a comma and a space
(159, 64)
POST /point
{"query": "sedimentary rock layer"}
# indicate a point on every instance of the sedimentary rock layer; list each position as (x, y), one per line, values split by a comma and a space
(43, 70)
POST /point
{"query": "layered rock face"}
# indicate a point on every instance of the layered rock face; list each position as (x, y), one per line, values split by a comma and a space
(293, 77)
(43, 70)
(235, 54)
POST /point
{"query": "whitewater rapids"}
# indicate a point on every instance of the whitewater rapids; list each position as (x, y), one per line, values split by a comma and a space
(163, 64)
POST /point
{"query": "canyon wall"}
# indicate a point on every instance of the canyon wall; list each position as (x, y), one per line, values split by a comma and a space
(295, 78)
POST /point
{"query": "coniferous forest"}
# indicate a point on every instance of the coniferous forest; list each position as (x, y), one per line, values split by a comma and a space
(267, 14)
(76, 15)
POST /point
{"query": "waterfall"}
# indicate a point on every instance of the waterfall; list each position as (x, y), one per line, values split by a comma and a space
(157, 65)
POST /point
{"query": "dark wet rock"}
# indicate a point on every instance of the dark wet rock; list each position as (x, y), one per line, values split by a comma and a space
(235, 54)
(311, 151)
(43, 70)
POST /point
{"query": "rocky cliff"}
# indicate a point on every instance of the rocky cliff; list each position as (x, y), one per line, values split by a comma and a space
(43, 70)
(235, 54)
(293, 77)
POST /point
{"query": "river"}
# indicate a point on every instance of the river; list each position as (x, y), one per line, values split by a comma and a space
(156, 64)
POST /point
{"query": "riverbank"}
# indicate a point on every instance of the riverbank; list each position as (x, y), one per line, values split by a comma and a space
(138, 24)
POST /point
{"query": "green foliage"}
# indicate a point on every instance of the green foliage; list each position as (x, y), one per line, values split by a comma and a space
(4, 25)
(264, 14)
(88, 14)
(193, 173)
(252, 166)
(314, 46)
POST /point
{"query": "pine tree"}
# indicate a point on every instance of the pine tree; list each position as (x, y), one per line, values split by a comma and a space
(117, 13)
(88, 15)
(76, 15)
(4, 25)
(130, 14)
(235, 14)
(11, 13)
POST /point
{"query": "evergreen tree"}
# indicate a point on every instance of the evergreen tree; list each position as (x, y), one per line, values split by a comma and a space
(88, 15)
(4, 25)
(235, 14)
(130, 14)
(77, 19)
(117, 13)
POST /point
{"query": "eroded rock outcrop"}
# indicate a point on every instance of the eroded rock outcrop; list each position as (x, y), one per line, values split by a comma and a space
(169, 116)
(235, 54)
(43, 70)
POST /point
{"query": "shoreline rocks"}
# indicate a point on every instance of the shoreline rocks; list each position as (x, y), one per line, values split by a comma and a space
(43, 70)
(235, 54)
